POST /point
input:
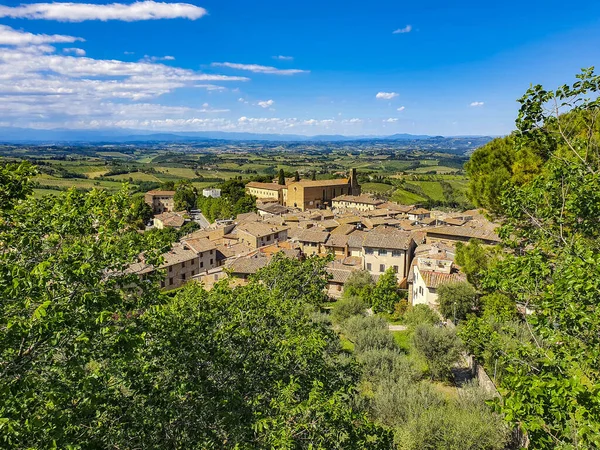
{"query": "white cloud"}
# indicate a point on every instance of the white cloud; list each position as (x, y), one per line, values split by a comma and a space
(406, 29)
(391, 120)
(148, 58)
(266, 103)
(353, 121)
(79, 12)
(10, 36)
(402, 108)
(477, 104)
(386, 95)
(256, 68)
(74, 51)
(283, 58)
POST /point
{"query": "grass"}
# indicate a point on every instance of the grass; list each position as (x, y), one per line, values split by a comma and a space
(403, 339)
(38, 193)
(433, 189)
(406, 198)
(438, 169)
(346, 344)
(81, 183)
(136, 176)
(377, 188)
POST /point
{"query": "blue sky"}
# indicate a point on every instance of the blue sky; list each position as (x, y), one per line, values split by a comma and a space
(311, 67)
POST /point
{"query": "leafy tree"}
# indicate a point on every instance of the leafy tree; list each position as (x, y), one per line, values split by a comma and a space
(233, 190)
(440, 347)
(474, 259)
(499, 307)
(421, 315)
(457, 300)
(185, 196)
(141, 212)
(347, 307)
(550, 229)
(244, 204)
(281, 177)
(296, 176)
(359, 284)
(314, 175)
(15, 183)
(386, 293)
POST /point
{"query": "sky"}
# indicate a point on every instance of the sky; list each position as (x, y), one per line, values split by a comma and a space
(440, 67)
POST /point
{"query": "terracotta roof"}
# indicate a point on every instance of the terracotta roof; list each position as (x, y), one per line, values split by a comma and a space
(396, 207)
(259, 229)
(366, 199)
(435, 279)
(355, 239)
(200, 245)
(418, 211)
(247, 217)
(348, 219)
(164, 193)
(249, 264)
(272, 208)
(317, 183)
(329, 224)
(345, 228)
(171, 219)
(464, 232)
(267, 186)
(387, 238)
(313, 236)
(457, 222)
(428, 221)
(337, 240)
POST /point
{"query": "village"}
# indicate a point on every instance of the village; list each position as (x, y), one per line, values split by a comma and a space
(326, 218)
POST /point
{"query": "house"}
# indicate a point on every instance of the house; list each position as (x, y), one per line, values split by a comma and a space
(418, 214)
(265, 191)
(206, 251)
(312, 242)
(169, 220)
(337, 244)
(432, 267)
(214, 193)
(270, 209)
(180, 265)
(245, 266)
(450, 234)
(160, 201)
(358, 202)
(339, 272)
(258, 234)
(385, 247)
(308, 194)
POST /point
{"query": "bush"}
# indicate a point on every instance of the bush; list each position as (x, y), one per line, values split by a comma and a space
(354, 325)
(367, 340)
(421, 314)
(387, 365)
(359, 284)
(457, 300)
(346, 308)
(440, 347)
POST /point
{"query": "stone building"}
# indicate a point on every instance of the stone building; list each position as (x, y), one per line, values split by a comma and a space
(307, 194)
(160, 201)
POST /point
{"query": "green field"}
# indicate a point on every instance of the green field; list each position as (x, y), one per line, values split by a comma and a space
(406, 198)
(377, 188)
(136, 176)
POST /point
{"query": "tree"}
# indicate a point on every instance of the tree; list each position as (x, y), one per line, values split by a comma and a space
(551, 266)
(185, 196)
(347, 307)
(440, 347)
(141, 212)
(474, 259)
(421, 314)
(359, 284)
(314, 175)
(281, 177)
(296, 176)
(386, 292)
(457, 300)
(15, 183)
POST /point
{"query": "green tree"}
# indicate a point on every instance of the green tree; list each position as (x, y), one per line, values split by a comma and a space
(457, 300)
(474, 259)
(359, 284)
(440, 347)
(281, 177)
(185, 196)
(296, 176)
(141, 212)
(386, 293)
(15, 183)
(314, 175)
(421, 314)
(347, 307)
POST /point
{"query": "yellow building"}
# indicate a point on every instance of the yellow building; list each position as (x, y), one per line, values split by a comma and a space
(306, 194)
(264, 191)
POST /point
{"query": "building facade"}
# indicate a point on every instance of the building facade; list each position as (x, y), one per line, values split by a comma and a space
(160, 201)
(262, 191)
(320, 193)
(358, 202)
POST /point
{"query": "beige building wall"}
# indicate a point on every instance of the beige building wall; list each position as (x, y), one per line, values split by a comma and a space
(353, 205)
(421, 294)
(257, 242)
(160, 203)
(305, 197)
(263, 193)
(180, 273)
(377, 261)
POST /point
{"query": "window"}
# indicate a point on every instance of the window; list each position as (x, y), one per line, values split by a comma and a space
(171, 280)
(162, 283)
(193, 272)
(201, 255)
(368, 266)
(201, 264)
(396, 253)
(211, 261)
(368, 251)
(382, 252)
(395, 269)
(211, 252)
(183, 264)
(170, 268)
(382, 267)
(183, 276)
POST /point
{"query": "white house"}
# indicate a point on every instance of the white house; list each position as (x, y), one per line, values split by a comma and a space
(214, 193)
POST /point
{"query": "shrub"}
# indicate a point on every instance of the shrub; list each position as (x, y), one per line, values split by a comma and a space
(457, 300)
(346, 308)
(421, 314)
(440, 347)
(356, 324)
(374, 340)
(387, 365)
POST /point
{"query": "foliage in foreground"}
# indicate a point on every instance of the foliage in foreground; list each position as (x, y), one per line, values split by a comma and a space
(92, 356)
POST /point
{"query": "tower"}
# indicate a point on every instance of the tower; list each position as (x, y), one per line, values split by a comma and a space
(353, 181)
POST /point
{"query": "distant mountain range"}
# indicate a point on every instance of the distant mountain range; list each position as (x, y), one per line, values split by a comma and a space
(30, 135)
